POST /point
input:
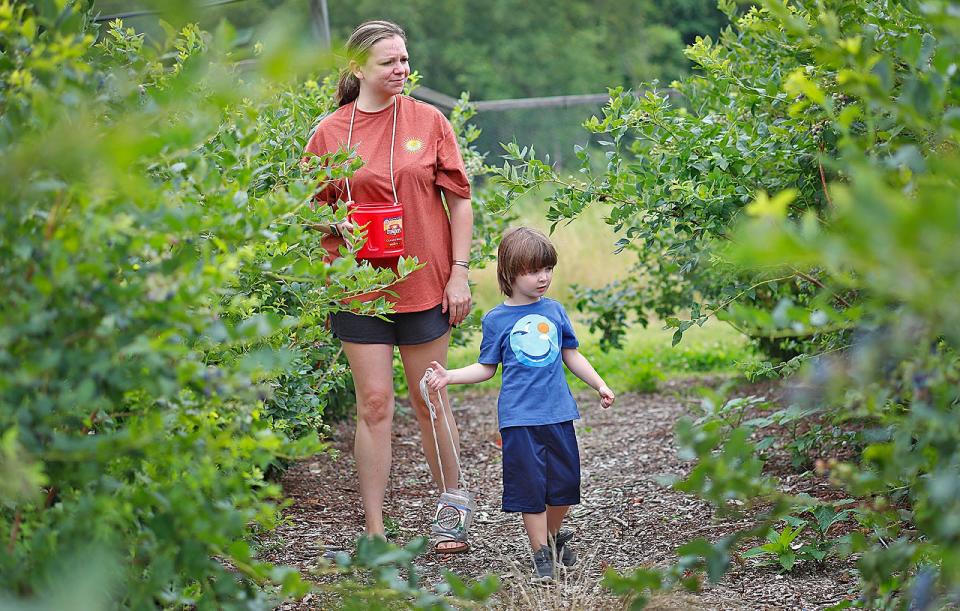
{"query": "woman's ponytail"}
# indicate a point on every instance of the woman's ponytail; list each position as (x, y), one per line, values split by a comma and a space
(348, 88)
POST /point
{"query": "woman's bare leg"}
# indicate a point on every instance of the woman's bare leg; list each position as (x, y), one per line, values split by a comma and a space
(372, 368)
(416, 359)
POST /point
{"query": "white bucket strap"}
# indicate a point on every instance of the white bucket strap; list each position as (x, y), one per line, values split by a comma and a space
(425, 393)
(393, 141)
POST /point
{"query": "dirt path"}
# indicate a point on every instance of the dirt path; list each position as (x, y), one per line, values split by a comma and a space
(626, 517)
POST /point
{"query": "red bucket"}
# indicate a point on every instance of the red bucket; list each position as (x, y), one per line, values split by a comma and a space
(384, 226)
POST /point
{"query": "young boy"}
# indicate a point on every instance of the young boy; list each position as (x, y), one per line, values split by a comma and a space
(533, 338)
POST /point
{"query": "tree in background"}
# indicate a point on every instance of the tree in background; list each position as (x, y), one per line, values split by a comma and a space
(503, 49)
(497, 49)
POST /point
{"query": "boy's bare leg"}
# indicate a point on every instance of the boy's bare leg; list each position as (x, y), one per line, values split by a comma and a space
(555, 515)
(536, 527)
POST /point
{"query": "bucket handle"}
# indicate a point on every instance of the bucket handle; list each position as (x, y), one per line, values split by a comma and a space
(393, 141)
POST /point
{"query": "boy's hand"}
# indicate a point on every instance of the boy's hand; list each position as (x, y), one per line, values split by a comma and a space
(439, 378)
(606, 396)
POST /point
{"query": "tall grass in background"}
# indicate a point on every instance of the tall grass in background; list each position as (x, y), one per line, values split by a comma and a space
(584, 250)
(585, 257)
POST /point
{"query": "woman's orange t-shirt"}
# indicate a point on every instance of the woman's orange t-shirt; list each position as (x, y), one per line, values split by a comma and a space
(426, 160)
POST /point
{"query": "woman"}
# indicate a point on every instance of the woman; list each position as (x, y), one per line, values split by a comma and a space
(410, 155)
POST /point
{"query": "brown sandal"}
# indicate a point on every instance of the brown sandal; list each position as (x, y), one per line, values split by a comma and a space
(462, 547)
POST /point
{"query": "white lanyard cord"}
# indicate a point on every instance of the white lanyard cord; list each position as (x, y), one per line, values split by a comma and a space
(425, 392)
(393, 140)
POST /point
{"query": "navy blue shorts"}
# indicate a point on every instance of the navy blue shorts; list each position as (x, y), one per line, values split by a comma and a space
(404, 329)
(541, 466)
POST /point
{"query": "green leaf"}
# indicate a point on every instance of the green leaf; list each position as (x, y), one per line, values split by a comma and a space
(787, 560)
(754, 552)
(798, 83)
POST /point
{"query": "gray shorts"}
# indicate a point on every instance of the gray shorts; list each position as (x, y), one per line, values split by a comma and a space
(403, 329)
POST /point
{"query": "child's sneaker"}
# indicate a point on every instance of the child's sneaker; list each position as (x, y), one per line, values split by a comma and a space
(566, 555)
(543, 564)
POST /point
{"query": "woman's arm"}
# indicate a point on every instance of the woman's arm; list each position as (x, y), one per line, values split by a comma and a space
(471, 374)
(581, 367)
(337, 229)
(456, 296)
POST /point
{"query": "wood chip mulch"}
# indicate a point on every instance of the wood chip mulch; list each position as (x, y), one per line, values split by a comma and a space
(626, 517)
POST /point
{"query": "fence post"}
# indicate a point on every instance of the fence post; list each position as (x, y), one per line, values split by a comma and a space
(321, 21)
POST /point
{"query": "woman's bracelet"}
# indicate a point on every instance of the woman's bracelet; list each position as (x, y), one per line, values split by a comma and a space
(463, 264)
(334, 230)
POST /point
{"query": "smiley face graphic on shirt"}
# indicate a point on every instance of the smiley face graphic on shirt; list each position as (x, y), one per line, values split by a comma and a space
(535, 341)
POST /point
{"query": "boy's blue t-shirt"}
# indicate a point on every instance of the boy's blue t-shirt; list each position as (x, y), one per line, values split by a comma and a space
(527, 340)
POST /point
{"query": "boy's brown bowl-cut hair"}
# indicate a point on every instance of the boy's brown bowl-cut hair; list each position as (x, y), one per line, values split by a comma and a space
(521, 251)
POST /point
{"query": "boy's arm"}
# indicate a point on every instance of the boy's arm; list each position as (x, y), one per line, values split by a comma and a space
(471, 374)
(581, 367)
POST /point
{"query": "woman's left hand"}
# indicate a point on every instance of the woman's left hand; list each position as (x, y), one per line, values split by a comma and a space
(456, 297)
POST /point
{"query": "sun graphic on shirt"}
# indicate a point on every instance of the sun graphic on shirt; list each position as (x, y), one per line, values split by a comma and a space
(413, 145)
